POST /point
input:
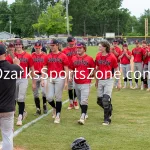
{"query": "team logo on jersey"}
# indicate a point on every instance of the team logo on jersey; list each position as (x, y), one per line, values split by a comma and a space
(103, 62)
(38, 60)
(81, 62)
(71, 53)
(52, 60)
(24, 60)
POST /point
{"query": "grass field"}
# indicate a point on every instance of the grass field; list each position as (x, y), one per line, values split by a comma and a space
(129, 129)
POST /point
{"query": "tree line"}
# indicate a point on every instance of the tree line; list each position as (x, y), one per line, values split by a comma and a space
(87, 17)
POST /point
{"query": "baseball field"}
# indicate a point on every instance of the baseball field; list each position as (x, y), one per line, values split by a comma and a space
(129, 129)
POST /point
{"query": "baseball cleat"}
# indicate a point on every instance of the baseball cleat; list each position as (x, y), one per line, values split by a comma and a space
(19, 121)
(70, 107)
(106, 123)
(142, 88)
(148, 90)
(24, 115)
(76, 106)
(54, 113)
(81, 121)
(38, 112)
(131, 87)
(86, 116)
(124, 87)
(57, 120)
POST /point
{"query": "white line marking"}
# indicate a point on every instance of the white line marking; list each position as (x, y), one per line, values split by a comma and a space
(33, 121)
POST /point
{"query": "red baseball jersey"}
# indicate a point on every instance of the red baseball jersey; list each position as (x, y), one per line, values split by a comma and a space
(9, 59)
(125, 60)
(25, 62)
(82, 65)
(118, 50)
(70, 52)
(137, 54)
(145, 49)
(106, 65)
(56, 62)
(38, 61)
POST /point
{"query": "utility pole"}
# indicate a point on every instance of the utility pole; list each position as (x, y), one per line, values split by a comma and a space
(67, 16)
(10, 25)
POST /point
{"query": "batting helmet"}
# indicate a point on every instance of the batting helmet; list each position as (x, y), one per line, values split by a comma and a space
(80, 144)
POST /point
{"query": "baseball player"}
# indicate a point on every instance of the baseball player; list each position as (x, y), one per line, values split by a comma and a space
(145, 62)
(125, 58)
(22, 82)
(10, 49)
(82, 64)
(71, 51)
(57, 71)
(39, 59)
(106, 62)
(116, 51)
(148, 68)
(137, 53)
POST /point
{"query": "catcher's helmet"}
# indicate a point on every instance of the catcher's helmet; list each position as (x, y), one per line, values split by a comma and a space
(80, 144)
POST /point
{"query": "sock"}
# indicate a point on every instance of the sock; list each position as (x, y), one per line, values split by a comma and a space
(58, 107)
(70, 93)
(44, 100)
(37, 102)
(52, 103)
(74, 95)
(21, 107)
(130, 83)
(125, 84)
(84, 109)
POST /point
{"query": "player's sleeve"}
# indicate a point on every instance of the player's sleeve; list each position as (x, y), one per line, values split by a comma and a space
(71, 64)
(45, 60)
(114, 63)
(96, 60)
(65, 60)
(132, 52)
(92, 63)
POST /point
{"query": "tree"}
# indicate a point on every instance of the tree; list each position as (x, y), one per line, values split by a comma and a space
(141, 22)
(52, 21)
(4, 16)
(24, 13)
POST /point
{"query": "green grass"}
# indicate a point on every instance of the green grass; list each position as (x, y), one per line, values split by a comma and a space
(129, 129)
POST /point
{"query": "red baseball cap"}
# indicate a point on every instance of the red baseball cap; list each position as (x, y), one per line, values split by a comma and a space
(11, 45)
(137, 42)
(18, 41)
(144, 42)
(125, 45)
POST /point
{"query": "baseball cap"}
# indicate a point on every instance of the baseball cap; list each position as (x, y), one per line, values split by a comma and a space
(38, 45)
(11, 45)
(144, 42)
(54, 42)
(2, 49)
(136, 42)
(18, 41)
(71, 40)
(81, 45)
(125, 45)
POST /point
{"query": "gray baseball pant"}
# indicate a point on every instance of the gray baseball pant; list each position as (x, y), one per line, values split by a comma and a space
(126, 69)
(7, 127)
(38, 87)
(54, 88)
(82, 91)
(105, 87)
(21, 89)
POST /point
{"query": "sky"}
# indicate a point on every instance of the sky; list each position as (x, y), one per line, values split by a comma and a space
(136, 7)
